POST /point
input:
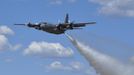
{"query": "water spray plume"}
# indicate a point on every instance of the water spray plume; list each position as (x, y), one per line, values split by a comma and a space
(103, 64)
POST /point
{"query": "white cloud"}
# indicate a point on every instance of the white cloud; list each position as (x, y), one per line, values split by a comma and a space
(4, 30)
(75, 67)
(4, 42)
(116, 7)
(15, 47)
(58, 66)
(56, 2)
(59, 2)
(48, 50)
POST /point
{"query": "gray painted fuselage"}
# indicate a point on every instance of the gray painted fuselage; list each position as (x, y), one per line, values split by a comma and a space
(50, 28)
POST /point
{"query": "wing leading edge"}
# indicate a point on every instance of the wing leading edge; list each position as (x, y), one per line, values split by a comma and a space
(83, 24)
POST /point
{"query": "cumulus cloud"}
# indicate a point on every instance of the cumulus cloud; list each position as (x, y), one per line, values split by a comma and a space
(57, 66)
(4, 30)
(77, 66)
(48, 50)
(116, 7)
(74, 66)
(4, 42)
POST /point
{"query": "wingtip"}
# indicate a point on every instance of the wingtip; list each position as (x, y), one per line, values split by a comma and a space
(19, 24)
(94, 22)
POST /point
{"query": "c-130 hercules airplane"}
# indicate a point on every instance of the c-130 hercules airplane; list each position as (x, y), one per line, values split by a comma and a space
(57, 28)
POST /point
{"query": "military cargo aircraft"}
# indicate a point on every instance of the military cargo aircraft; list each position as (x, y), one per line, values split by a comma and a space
(59, 28)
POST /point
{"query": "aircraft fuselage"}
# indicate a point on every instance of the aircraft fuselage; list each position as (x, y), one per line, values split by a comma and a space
(51, 29)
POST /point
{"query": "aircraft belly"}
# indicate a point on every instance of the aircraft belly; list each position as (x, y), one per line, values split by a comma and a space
(53, 30)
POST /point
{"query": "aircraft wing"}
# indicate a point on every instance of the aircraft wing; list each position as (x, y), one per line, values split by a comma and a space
(82, 24)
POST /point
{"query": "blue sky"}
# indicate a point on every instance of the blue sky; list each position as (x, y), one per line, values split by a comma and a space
(19, 53)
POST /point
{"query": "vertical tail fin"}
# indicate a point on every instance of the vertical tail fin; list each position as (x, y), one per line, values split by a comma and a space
(67, 18)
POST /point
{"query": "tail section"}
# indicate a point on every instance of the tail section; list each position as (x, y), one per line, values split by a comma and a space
(67, 18)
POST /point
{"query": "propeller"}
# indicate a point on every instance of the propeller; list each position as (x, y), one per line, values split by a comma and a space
(71, 25)
(36, 25)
